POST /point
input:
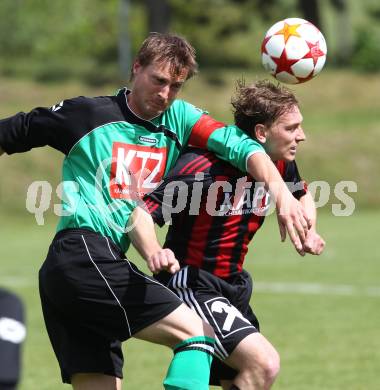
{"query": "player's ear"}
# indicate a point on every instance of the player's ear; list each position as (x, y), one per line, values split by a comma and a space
(260, 133)
(135, 67)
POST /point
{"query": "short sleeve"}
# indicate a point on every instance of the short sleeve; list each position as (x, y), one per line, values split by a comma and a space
(229, 143)
(234, 146)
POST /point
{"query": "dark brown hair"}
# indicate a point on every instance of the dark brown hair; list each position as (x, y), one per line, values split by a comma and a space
(159, 47)
(262, 102)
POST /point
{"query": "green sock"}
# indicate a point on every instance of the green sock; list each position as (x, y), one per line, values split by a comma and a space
(190, 366)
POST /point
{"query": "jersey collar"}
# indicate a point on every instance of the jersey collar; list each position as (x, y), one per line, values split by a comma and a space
(131, 117)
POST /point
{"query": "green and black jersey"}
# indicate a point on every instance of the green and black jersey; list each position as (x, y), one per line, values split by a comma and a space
(112, 156)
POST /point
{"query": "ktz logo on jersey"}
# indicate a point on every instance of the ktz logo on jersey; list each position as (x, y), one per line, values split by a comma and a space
(226, 317)
(135, 170)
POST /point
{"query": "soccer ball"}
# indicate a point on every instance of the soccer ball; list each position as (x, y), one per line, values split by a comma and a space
(293, 51)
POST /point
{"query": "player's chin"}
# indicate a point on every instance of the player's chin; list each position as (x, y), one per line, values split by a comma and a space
(289, 157)
(156, 109)
(159, 111)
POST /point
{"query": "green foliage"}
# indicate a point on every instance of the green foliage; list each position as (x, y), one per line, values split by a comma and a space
(53, 39)
(367, 49)
(226, 33)
(138, 25)
(367, 46)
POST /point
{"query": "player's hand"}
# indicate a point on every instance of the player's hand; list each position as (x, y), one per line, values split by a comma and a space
(292, 219)
(161, 260)
(314, 243)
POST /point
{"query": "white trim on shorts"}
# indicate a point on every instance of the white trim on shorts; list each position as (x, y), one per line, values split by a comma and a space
(179, 283)
(109, 287)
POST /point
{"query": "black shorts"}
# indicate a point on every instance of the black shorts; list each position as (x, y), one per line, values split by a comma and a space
(224, 305)
(12, 334)
(93, 298)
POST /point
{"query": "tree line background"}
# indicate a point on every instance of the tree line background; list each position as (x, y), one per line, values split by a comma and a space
(96, 39)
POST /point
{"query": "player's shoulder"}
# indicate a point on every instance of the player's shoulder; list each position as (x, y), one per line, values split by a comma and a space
(79, 115)
(83, 103)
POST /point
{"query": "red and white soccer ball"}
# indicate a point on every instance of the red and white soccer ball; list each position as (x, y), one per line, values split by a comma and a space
(293, 51)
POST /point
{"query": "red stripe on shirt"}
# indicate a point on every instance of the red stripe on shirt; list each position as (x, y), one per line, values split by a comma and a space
(204, 167)
(227, 242)
(148, 204)
(199, 167)
(254, 224)
(199, 238)
(280, 164)
(151, 205)
(227, 239)
(202, 130)
(190, 164)
(153, 208)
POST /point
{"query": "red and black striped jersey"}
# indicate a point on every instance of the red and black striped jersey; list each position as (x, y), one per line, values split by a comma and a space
(213, 210)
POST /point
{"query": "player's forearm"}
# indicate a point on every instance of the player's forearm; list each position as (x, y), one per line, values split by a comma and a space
(292, 218)
(314, 244)
(262, 169)
(307, 202)
(142, 233)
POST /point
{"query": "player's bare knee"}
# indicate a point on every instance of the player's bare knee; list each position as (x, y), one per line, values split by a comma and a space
(190, 325)
(268, 367)
(260, 372)
(271, 368)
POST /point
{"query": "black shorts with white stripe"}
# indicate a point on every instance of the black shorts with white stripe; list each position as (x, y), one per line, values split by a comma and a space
(223, 304)
(93, 298)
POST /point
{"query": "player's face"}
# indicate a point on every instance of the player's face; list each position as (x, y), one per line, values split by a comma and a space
(283, 137)
(154, 89)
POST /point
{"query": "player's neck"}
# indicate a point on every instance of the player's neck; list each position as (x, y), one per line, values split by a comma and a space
(134, 108)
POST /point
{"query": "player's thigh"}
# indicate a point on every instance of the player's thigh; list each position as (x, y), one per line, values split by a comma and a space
(253, 351)
(179, 325)
(95, 382)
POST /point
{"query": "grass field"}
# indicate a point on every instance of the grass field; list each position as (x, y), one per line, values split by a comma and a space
(321, 313)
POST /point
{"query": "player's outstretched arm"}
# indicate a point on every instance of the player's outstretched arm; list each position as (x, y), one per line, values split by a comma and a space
(143, 237)
(291, 214)
(314, 244)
